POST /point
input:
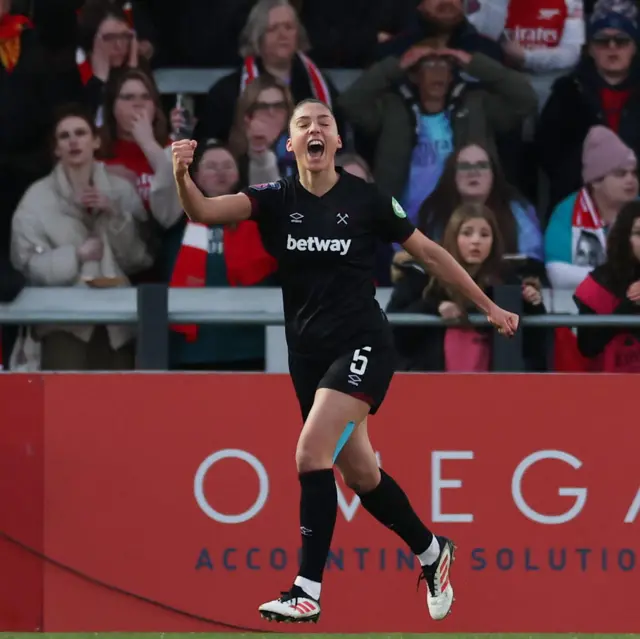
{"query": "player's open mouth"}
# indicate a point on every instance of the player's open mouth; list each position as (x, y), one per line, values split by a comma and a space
(315, 148)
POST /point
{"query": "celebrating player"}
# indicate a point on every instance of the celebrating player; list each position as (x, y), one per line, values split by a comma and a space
(322, 226)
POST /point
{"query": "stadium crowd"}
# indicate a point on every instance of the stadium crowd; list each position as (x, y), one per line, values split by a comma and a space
(507, 129)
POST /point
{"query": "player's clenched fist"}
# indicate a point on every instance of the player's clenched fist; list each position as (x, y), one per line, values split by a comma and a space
(182, 152)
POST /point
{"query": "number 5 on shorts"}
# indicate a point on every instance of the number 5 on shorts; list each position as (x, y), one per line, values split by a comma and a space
(359, 361)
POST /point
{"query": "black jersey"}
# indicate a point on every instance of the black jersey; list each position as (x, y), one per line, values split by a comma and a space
(326, 250)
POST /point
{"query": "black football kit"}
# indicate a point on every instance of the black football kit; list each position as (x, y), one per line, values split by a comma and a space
(337, 334)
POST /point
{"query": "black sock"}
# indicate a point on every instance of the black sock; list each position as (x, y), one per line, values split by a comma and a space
(318, 512)
(388, 503)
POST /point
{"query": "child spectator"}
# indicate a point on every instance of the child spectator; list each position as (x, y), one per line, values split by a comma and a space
(195, 255)
(610, 289)
(80, 226)
(575, 237)
(473, 238)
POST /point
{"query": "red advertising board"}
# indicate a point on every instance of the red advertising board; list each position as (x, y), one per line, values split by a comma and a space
(21, 495)
(182, 490)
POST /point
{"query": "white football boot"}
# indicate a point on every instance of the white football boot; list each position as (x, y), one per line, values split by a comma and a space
(438, 578)
(294, 606)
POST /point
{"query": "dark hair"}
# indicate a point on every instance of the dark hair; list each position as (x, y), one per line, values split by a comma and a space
(622, 268)
(72, 110)
(109, 129)
(92, 15)
(309, 101)
(436, 209)
(489, 272)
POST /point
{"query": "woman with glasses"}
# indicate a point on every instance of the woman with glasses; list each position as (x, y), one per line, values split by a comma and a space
(472, 175)
(197, 255)
(601, 90)
(259, 133)
(106, 41)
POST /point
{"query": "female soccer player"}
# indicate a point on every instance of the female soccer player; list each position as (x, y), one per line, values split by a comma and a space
(322, 227)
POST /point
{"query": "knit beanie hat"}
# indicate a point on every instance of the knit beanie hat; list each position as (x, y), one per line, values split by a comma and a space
(621, 15)
(604, 152)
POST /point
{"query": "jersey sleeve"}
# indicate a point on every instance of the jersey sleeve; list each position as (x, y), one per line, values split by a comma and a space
(266, 199)
(391, 222)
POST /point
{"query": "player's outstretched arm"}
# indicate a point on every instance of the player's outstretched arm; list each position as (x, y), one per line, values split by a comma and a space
(225, 209)
(444, 266)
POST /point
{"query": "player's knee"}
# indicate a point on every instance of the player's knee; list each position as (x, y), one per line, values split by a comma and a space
(361, 480)
(308, 458)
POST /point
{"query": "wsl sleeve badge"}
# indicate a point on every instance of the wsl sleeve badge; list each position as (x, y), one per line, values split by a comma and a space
(267, 186)
(397, 208)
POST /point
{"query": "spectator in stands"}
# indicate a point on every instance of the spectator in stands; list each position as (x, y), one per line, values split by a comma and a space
(106, 42)
(440, 24)
(259, 133)
(473, 175)
(80, 226)
(216, 256)
(602, 90)
(542, 37)
(473, 238)
(613, 288)
(273, 42)
(356, 165)
(135, 142)
(418, 109)
(29, 92)
(575, 236)
(57, 21)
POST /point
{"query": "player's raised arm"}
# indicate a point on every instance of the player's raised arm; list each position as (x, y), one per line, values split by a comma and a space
(444, 266)
(225, 209)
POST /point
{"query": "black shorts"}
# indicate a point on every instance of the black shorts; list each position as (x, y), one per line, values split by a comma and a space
(364, 373)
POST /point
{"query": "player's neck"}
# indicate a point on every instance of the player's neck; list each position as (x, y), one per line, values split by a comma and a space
(318, 182)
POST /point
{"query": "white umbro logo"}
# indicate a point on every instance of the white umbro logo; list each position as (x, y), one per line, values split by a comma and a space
(342, 218)
(296, 218)
(548, 14)
(354, 380)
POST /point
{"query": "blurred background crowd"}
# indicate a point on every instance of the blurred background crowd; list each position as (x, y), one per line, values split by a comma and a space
(508, 130)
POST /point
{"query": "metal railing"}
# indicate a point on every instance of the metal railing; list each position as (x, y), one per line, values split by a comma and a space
(153, 308)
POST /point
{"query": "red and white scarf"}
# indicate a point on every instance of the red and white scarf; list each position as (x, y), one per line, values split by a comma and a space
(318, 84)
(82, 61)
(246, 261)
(586, 220)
